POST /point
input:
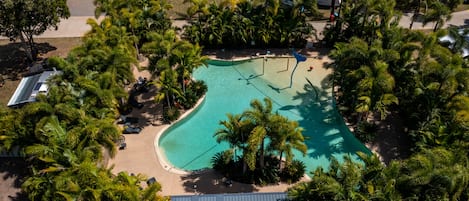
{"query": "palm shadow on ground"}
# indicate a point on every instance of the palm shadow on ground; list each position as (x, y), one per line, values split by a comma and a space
(15, 171)
(208, 181)
(391, 141)
(151, 112)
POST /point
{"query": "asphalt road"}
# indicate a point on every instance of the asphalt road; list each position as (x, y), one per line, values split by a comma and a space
(81, 7)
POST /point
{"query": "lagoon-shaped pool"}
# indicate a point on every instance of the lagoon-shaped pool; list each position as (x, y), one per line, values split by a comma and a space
(189, 144)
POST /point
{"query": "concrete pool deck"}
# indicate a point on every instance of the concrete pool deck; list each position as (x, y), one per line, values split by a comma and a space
(142, 156)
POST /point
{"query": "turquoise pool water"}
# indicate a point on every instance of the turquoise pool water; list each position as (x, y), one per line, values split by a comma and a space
(189, 144)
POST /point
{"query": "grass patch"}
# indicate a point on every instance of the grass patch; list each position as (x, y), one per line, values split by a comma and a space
(7, 91)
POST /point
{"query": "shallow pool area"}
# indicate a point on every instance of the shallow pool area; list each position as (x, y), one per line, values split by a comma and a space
(189, 144)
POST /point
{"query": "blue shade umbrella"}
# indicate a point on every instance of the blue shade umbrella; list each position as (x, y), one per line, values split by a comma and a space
(299, 58)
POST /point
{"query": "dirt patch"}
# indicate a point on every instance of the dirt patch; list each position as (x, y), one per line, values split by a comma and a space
(14, 63)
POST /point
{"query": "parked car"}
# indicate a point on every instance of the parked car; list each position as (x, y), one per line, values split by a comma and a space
(124, 120)
(131, 129)
(450, 41)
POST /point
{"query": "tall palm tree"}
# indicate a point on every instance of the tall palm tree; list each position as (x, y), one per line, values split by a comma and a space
(261, 116)
(374, 88)
(158, 50)
(438, 12)
(168, 87)
(187, 58)
(287, 135)
(236, 133)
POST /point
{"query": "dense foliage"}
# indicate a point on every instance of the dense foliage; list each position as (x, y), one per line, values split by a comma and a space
(260, 136)
(250, 24)
(67, 133)
(173, 60)
(382, 69)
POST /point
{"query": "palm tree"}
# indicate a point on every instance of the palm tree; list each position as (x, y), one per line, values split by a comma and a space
(232, 132)
(438, 12)
(380, 180)
(168, 87)
(158, 50)
(236, 133)
(341, 182)
(187, 58)
(198, 7)
(363, 76)
(107, 48)
(374, 88)
(261, 116)
(287, 135)
(436, 174)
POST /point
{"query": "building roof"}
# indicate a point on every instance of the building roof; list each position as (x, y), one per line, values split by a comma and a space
(30, 87)
(233, 197)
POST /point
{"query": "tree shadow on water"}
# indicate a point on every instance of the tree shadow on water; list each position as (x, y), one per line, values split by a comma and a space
(325, 132)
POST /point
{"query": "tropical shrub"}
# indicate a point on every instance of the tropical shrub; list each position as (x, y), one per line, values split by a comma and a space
(171, 114)
(293, 172)
(366, 131)
(258, 176)
(199, 87)
(222, 160)
(194, 91)
(268, 175)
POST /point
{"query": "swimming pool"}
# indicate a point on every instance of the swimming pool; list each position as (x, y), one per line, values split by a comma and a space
(190, 145)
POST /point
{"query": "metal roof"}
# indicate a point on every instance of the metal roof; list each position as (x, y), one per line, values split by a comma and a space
(30, 87)
(233, 197)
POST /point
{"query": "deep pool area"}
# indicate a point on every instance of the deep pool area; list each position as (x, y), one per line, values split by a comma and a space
(189, 144)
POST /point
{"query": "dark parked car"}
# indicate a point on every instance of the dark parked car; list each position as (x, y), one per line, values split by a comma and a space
(130, 129)
(125, 120)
